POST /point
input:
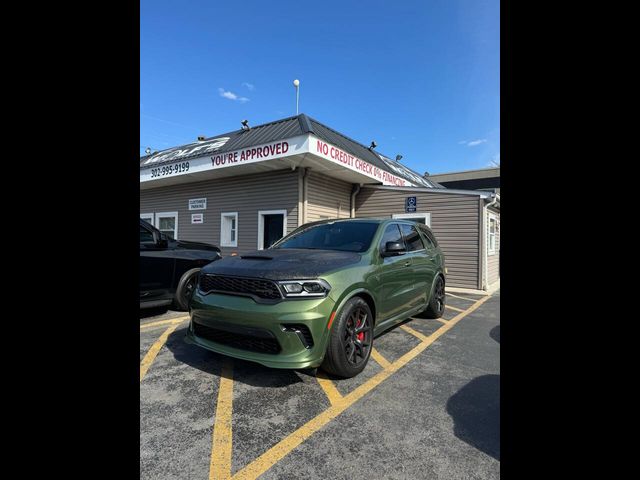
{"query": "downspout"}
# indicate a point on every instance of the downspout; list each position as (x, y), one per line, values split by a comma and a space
(485, 276)
(305, 184)
(354, 192)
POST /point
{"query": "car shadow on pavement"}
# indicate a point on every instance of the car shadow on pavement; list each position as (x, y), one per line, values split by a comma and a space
(495, 333)
(475, 410)
(250, 373)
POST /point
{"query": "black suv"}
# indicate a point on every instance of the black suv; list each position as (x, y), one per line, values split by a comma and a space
(169, 268)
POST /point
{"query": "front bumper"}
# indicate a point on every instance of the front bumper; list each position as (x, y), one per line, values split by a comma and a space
(245, 329)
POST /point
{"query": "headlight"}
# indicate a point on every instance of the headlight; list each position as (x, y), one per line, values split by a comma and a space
(304, 288)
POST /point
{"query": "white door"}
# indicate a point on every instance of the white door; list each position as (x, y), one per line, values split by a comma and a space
(272, 226)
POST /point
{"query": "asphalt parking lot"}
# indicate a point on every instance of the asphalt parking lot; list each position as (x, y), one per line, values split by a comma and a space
(426, 406)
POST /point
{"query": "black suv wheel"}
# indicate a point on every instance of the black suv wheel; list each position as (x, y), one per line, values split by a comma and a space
(350, 341)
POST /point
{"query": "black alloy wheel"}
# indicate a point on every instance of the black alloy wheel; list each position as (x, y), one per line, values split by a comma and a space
(357, 337)
(435, 309)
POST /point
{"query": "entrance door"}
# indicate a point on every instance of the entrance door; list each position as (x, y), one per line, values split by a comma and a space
(271, 227)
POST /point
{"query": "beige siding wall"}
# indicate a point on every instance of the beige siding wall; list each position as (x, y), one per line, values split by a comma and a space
(327, 197)
(455, 221)
(244, 194)
(493, 260)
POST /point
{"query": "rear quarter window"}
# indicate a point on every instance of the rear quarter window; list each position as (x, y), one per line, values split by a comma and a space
(412, 238)
(429, 237)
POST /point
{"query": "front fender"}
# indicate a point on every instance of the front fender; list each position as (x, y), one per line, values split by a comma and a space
(352, 292)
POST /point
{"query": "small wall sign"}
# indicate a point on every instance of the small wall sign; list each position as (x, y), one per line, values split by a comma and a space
(197, 218)
(198, 204)
(410, 204)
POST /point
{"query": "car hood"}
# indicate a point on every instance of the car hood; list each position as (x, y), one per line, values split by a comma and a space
(195, 245)
(283, 264)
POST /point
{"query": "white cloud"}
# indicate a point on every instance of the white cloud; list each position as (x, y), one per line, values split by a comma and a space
(231, 96)
(250, 86)
(472, 143)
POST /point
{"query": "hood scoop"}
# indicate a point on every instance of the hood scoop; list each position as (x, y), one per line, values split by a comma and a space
(255, 257)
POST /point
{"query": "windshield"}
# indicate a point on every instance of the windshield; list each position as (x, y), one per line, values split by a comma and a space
(344, 236)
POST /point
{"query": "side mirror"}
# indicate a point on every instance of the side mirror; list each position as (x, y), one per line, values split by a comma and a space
(158, 240)
(393, 248)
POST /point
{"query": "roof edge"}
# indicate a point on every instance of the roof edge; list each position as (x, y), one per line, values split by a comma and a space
(448, 191)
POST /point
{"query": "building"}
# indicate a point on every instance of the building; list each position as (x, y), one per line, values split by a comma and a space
(481, 179)
(245, 189)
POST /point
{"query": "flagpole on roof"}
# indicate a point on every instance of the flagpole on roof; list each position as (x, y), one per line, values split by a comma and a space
(296, 83)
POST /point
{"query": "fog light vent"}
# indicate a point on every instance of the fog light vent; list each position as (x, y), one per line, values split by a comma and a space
(302, 331)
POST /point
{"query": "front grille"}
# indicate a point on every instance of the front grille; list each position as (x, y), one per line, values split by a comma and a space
(261, 341)
(254, 287)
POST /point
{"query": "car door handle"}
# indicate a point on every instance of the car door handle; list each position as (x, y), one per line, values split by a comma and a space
(407, 264)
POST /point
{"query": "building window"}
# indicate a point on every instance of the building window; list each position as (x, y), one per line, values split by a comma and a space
(492, 235)
(167, 223)
(229, 229)
(415, 217)
(147, 217)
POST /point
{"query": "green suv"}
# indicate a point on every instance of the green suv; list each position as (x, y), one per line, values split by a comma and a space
(320, 295)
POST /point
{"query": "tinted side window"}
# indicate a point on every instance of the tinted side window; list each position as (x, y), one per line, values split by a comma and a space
(145, 235)
(431, 237)
(391, 234)
(427, 238)
(412, 238)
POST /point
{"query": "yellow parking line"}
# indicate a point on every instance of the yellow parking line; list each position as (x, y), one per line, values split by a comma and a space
(281, 449)
(414, 333)
(155, 348)
(454, 308)
(222, 447)
(163, 322)
(444, 320)
(461, 298)
(383, 362)
(329, 388)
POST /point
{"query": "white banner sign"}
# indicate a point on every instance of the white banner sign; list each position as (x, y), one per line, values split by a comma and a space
(282, 148)
(336, 155)
(269, 151)
(198, 204)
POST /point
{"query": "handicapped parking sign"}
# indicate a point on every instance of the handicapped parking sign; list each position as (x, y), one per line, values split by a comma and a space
(410, 204)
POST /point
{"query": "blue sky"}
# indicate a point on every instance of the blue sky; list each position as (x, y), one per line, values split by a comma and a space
(421, 78)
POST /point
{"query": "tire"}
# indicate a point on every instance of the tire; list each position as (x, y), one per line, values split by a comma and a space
(435, 309)
(185, 289)
(350, 340)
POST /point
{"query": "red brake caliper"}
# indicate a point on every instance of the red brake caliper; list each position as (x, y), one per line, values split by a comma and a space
(361, 334)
